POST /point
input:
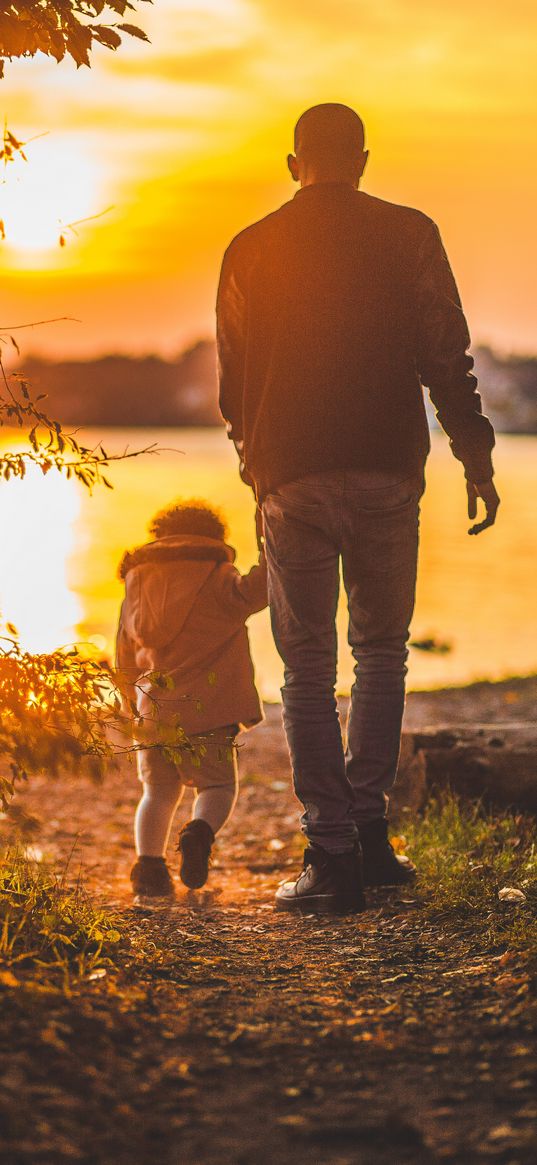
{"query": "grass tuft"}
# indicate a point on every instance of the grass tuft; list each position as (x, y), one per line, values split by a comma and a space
(465, 855)
(47, 923)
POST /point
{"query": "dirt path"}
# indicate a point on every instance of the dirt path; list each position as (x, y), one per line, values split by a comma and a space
(245, 1037)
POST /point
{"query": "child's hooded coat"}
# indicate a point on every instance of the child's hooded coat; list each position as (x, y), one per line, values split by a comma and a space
(184, 616)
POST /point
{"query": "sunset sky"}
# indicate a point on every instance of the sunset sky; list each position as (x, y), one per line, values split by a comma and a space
(186, 140)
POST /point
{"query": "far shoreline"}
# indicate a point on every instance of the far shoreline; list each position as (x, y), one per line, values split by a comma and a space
(484, 700)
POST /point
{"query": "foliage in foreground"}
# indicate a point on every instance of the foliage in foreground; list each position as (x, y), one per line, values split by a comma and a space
(50, 446)
(63, 713)
(43, 922)
(54, 712)
(465, 855)
(62, 28)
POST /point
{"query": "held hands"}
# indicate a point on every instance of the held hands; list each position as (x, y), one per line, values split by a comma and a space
(487, 491)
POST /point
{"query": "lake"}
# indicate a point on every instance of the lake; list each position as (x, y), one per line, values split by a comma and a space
(61, 548)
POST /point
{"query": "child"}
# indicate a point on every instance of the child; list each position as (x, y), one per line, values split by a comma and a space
(183, 617)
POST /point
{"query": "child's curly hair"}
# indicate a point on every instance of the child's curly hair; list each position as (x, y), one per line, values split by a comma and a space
(194, 516)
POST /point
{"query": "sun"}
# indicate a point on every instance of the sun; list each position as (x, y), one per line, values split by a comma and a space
(58, 185)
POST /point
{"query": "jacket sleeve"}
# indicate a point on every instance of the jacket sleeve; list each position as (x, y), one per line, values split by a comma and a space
(444, 364)
(244, 593)
(231, 343)
(231, 315)
(126, 667)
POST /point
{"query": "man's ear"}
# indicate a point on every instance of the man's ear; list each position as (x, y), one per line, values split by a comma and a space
(363, 162)
(293, 167)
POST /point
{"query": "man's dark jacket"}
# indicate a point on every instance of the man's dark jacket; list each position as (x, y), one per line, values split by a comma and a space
(332, 313)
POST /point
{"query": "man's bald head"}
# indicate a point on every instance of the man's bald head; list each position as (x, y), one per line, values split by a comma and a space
(329, 143)
(330, 129)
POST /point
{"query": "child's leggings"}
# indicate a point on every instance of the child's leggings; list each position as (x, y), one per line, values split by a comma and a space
(215, 781)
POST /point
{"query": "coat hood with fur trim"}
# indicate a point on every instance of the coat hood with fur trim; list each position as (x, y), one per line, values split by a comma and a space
(160, 593)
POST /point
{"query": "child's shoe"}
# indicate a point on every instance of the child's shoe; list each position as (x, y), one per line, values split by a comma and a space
(150, 878)
(194, 845)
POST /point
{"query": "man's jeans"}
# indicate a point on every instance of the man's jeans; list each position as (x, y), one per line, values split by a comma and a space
(309, 525)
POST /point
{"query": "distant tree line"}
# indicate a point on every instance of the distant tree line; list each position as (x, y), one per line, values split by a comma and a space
(509, 390)
(122, 390)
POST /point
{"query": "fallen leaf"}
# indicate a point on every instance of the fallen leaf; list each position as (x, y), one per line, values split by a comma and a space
(7, 979)
(511, 894)
(499, 1132)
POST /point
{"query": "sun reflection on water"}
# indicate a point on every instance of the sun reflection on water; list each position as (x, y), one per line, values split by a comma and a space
(37, 517)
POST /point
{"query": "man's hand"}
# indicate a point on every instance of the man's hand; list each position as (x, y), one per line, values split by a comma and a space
(487, 491)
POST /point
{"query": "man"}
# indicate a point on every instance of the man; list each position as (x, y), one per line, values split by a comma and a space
(332, 313)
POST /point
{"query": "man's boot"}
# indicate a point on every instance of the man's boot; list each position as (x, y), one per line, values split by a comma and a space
(329, 884)
(381, 865)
